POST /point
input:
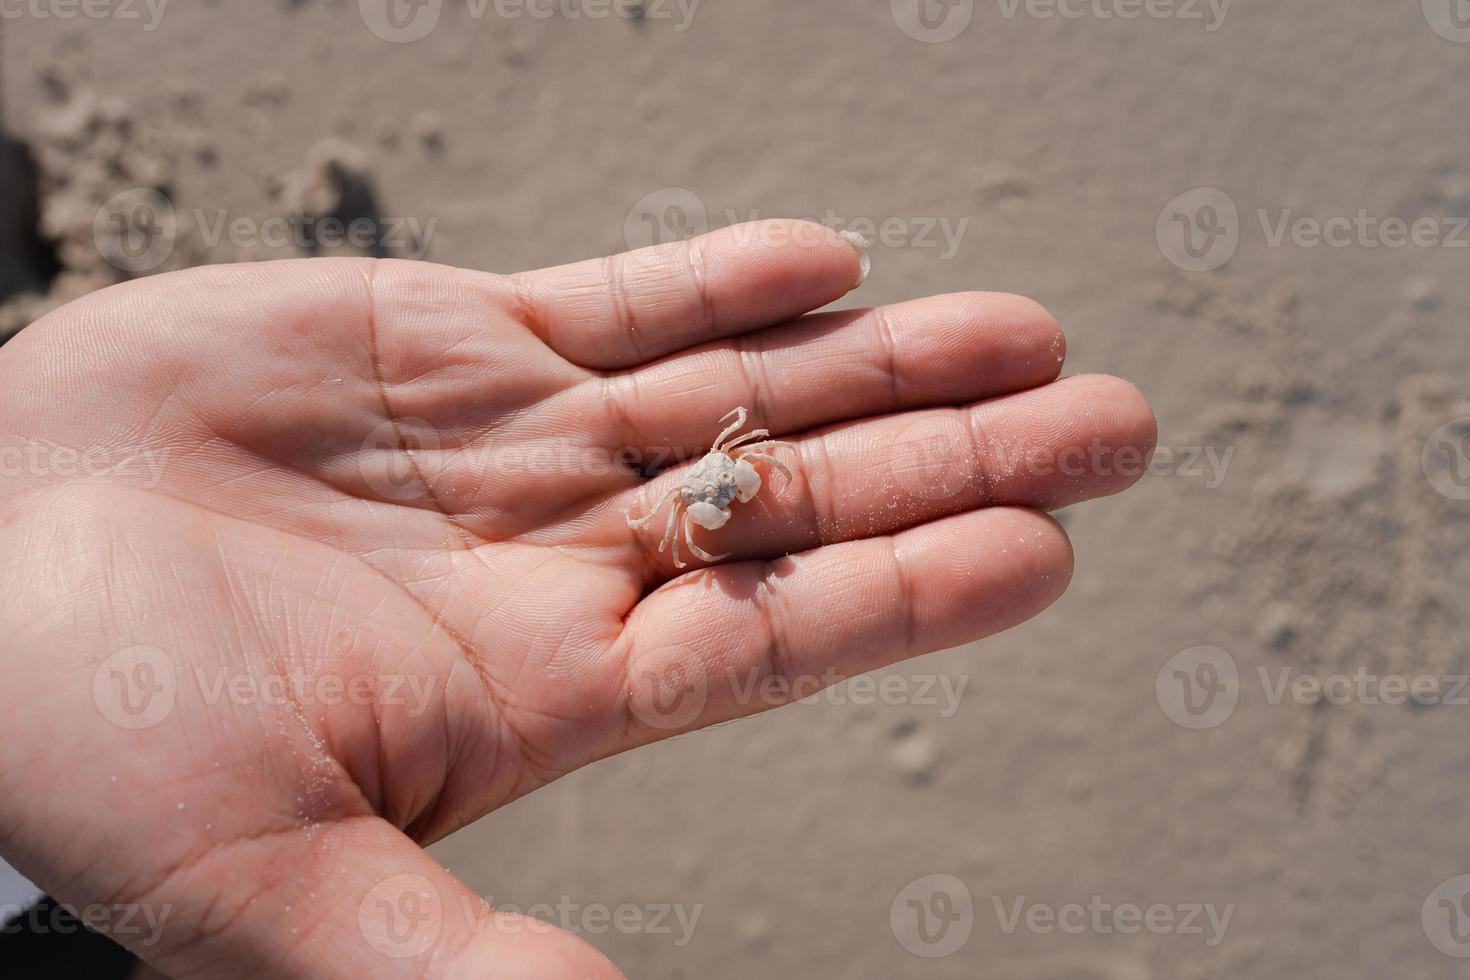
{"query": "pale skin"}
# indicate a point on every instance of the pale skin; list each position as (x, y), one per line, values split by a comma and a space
(393, 474)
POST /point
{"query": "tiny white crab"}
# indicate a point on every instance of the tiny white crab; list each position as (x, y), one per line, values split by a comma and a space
(723, 476)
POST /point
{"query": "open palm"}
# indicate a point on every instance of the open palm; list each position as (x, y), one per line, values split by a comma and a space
(315, 562)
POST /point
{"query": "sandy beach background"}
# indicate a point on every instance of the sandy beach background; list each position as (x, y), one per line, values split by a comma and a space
(1257, 211)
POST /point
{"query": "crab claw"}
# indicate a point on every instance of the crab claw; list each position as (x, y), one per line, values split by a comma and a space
(708, 516)
(747, 481)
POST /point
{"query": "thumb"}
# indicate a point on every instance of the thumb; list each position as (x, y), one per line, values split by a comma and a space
(354, 898)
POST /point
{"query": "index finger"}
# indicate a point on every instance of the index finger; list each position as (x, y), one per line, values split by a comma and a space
(631, 308)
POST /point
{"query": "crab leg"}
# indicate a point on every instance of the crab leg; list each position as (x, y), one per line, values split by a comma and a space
(674, 534)
(740, 415)
(645, 521)
(699, 552)
(769, 442)
(773, 461)
(752, 434)
(669, 528)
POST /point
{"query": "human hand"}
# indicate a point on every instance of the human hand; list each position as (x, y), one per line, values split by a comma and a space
(344, 563)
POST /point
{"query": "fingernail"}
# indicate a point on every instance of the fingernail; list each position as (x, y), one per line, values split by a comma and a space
(865, 261)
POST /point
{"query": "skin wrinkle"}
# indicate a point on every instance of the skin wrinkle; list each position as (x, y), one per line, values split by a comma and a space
(756, 379)
(610, 385)
(808, 496)
(889, 345)
(212, 851)
(623, 306)
(694, 258)
(369, 278)
(765, 593)
(977, 446)
(526, 313)
(466, 650)
(908, 597)
(435, 621)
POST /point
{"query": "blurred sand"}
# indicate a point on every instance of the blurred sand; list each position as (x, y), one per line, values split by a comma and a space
(1311, 540)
